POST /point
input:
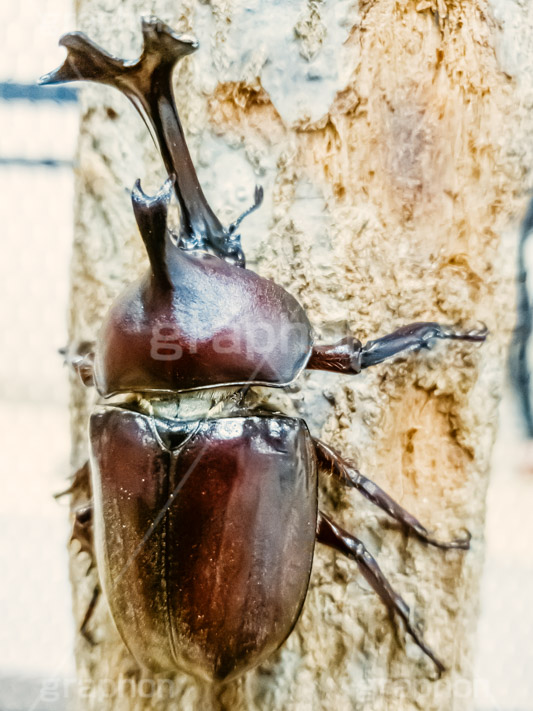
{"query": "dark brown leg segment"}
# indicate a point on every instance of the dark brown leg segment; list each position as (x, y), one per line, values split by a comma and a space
(82, 531)
(84, 627)
(337, 538)
(348, 475)
(80, 484)
(350, 356)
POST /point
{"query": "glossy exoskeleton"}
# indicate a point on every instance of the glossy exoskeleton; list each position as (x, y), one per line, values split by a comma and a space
(205, 498)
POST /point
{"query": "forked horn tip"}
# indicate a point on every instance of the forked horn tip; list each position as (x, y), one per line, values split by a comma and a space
(70, 38)
(48, 78)
(163, 195)
(78, 45)
(154, 28)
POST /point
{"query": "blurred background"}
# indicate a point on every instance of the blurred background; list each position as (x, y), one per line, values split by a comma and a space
(37, 145)
(38, 130)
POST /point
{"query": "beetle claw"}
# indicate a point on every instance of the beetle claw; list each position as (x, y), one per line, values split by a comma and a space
(476, 334)
(258, 200)
(455, 544)
(331, 534)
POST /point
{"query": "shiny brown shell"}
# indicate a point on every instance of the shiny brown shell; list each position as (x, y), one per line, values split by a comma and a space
(205, 534)
(214, 324)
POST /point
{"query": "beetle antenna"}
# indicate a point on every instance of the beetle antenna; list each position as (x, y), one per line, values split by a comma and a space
(258, 200)
(151, 215)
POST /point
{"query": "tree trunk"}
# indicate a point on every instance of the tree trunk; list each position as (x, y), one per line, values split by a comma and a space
(388, 138)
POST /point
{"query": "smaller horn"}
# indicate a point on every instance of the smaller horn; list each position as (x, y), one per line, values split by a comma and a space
(151, 215)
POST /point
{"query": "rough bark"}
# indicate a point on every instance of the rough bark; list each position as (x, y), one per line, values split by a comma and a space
(388, 138)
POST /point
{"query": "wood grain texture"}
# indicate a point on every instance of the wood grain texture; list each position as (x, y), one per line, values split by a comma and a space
(393, 188)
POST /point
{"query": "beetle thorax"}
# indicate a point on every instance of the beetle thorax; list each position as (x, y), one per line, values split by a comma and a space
(210, 403)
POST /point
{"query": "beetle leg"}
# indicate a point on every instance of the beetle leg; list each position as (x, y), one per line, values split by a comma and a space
(341, 357)
(88, 615)
(81, 481)
(330, 534)
(350, 356)
(81, 359)
(412, 337)
(82, 527)
(147, 83)
(82, 531)
(348, 475)
(258, 201)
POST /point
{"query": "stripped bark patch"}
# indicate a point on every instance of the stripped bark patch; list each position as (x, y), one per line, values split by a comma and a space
(237, 106)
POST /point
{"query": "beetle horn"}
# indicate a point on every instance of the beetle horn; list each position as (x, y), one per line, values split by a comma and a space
(151, 215)
(147, 83)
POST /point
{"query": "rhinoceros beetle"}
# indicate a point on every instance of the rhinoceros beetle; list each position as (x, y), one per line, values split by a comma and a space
(205, 495)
